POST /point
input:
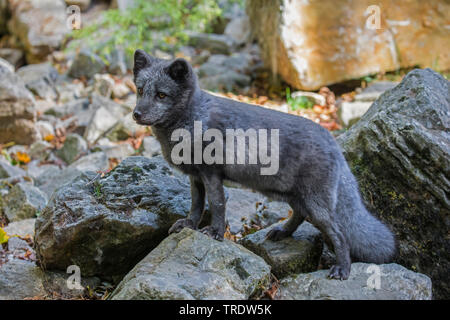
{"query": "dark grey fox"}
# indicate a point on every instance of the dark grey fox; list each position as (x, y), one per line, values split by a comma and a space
(312, 177)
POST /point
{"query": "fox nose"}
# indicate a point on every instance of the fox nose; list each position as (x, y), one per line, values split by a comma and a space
(137, 115)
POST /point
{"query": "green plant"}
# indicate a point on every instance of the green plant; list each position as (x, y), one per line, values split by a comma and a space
(300, 102)
(149, 24)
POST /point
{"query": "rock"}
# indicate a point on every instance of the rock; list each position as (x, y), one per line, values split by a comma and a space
(9, 171)
(97, 161)
(53, 178)
(56, 285)
(20, 279)
(120, 90)
(315, 43)
(21, 228)
(83, 4)
(270, 212)
(240, 208)
(6, 65)
(152, 147)
(17, 112)
(214, 43)
(239, 30)
(103, 84)
(120, 151)
(86, 64)
(45, 129)
(396, 283)
(17, 245)
(105, 115)
(40, 79)
(68, 92)
(297, 254)
(102, 121)
(40, 150)
(40, 25)
(23, 202)
(398, 152)
(117, 62)
(73, 147)
(14, 56)
(125, 127)
(228, 81)
(106, 226)
(35, 168)
(351, 112)
(374, 91)
(190, 265)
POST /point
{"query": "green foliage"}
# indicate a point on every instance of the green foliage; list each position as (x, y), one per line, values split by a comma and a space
(148, 25)
(300, 102)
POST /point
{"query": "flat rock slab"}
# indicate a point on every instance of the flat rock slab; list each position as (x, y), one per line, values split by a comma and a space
(395, 283)
(296, 254)
(190, 265)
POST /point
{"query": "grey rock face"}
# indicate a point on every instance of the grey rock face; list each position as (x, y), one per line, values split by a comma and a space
(17, 111)
(106, 226)
(23, 202)
(21, 228)
(215, 43)
(297, 254)
(40, 26)
(190, 265)
(395, 283)
(8, 171)
(53, 178)
(40, 79)
(152, 147)
(20, 279)
(86, 64)
(97, 161)
(399, 152)
(74, 146)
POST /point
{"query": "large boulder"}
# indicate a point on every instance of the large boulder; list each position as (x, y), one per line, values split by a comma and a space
(190, 265)
(106, 225)
(399, 152)
(366, 282)
(17, 110)
(40, 25)
(320, 42)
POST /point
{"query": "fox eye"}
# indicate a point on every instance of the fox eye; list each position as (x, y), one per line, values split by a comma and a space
(140, 91)
(161, 95)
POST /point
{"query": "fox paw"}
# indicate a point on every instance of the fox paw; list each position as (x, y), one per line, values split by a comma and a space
(277, 234)
(339, 272)
(213, 233)
(180, 224)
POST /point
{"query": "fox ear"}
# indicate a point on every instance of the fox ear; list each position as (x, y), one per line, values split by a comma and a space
(179, 70)
(141, 61)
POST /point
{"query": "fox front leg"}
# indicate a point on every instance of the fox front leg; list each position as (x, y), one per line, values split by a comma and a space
(216, 202)
(197, 207)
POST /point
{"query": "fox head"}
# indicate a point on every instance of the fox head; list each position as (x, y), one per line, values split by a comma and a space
(164, 89)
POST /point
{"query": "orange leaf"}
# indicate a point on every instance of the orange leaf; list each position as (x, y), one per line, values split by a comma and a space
(49, 137)
(23, 157)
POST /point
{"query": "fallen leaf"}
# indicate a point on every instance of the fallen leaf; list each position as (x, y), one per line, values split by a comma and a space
(3, 236)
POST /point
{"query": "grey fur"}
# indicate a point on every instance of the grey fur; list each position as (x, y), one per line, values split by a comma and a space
(313, 176)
